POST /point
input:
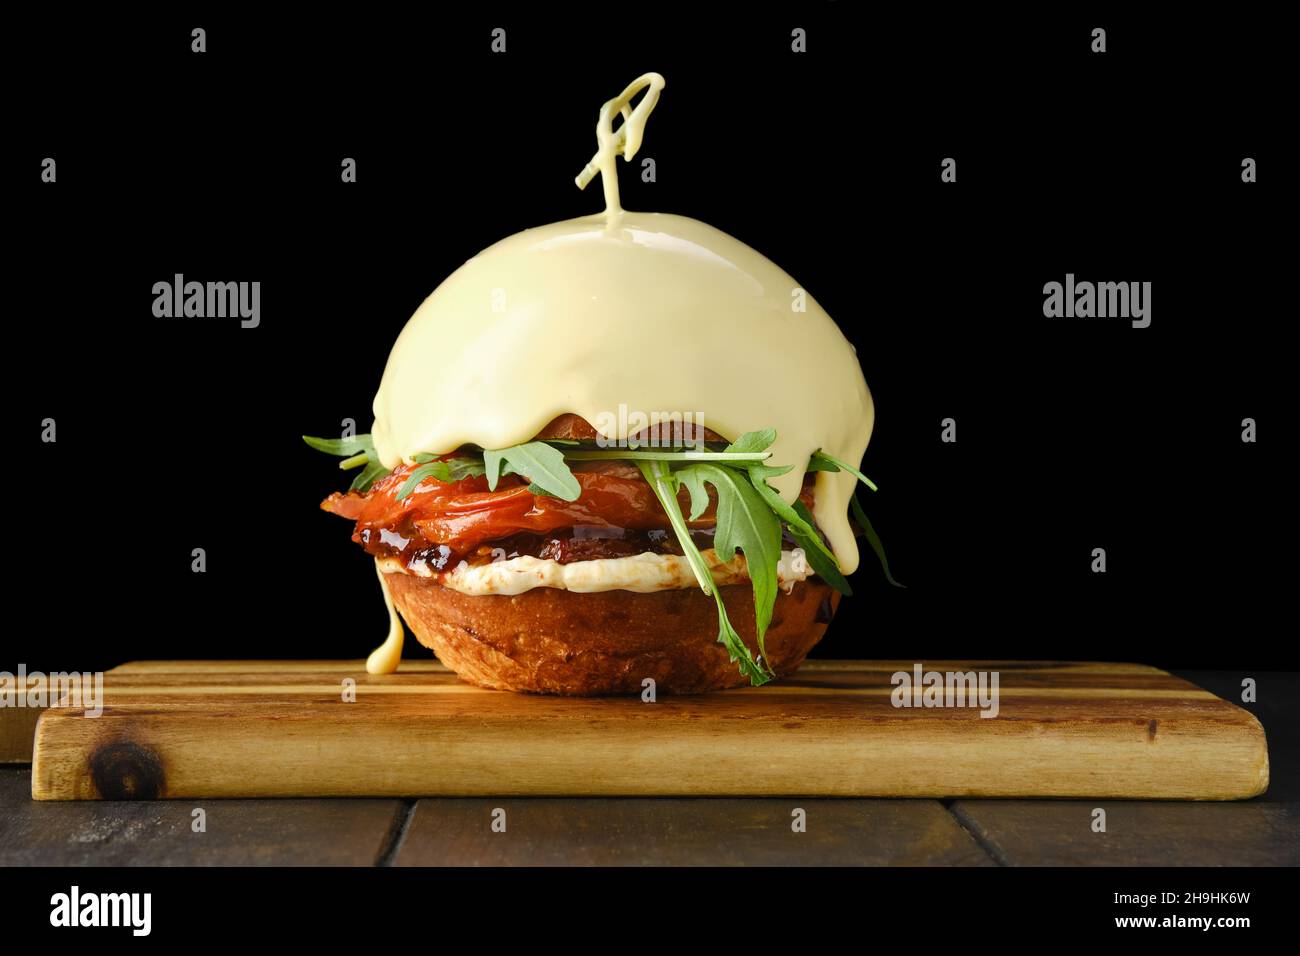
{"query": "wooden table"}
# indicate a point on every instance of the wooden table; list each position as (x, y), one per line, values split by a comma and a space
(656, 831)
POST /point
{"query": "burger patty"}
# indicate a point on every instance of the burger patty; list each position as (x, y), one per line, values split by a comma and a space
(565, 546)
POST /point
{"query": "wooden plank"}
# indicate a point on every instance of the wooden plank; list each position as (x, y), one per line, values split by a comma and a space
(18, 717)
(18, 723)
(685, 832)
(1265, 832)
(429, 666)
(239, 832)
(17, 731)
(1138, 833)
(1277, 705)
(285, 729)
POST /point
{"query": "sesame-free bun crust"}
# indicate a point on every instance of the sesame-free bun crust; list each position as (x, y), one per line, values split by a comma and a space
(550, 641)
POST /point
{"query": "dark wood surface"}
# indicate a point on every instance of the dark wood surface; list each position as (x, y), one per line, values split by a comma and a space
(160, 832)
(729, 831)
(1138, 833)
(686, 831)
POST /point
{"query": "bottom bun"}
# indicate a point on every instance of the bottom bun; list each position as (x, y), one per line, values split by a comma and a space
(550, 641)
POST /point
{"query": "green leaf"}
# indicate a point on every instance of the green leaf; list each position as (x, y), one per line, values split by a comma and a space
(769, 471)
(543, 465)
(642, 454)
(492, 467)
(790, 515)
(664, 484)
(356, 451)
(753, 441)
(694, 483)
(463, 467)
(738, 651)
(873, 539)
(432, 469)
(744, 522)
(453, 469)
(823, 460)
(368, 476)
(343, 447)
(820, 559)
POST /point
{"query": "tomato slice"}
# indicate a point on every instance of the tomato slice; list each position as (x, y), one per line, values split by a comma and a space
(464, 514)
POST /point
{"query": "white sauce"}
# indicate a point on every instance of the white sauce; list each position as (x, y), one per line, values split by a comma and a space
(642, 572)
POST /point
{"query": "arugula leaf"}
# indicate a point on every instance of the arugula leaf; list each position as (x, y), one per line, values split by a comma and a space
(343, 447)
(357, 451)
(664, 485)
(694, 482)
(543, 465)
(492, 467)
(453, 469)
(790, 515)
(462, 467)
(367, 476)
(769, 471)
(433, 469)
(800, 522)
(744, 522)
(820, 461)
(759, 673)
(753, 441)
(819, 558)
(796, 517)
(642, 454)
(872, 538)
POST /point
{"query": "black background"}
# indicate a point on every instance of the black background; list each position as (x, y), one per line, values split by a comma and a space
(1072, 434)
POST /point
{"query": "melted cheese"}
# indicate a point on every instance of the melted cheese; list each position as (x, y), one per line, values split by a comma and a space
(641, 572)
(661, 313)
(385, 658)
(654, 312)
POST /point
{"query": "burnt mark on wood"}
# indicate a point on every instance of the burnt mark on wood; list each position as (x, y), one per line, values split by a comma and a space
(127, 771)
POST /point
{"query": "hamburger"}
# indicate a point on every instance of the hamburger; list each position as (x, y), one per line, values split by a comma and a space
(613, 450)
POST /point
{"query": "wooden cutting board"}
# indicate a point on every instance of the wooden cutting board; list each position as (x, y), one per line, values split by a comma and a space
(282, 728)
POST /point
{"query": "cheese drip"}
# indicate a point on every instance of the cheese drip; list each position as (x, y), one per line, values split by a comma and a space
(626, 313)
(385, 658)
